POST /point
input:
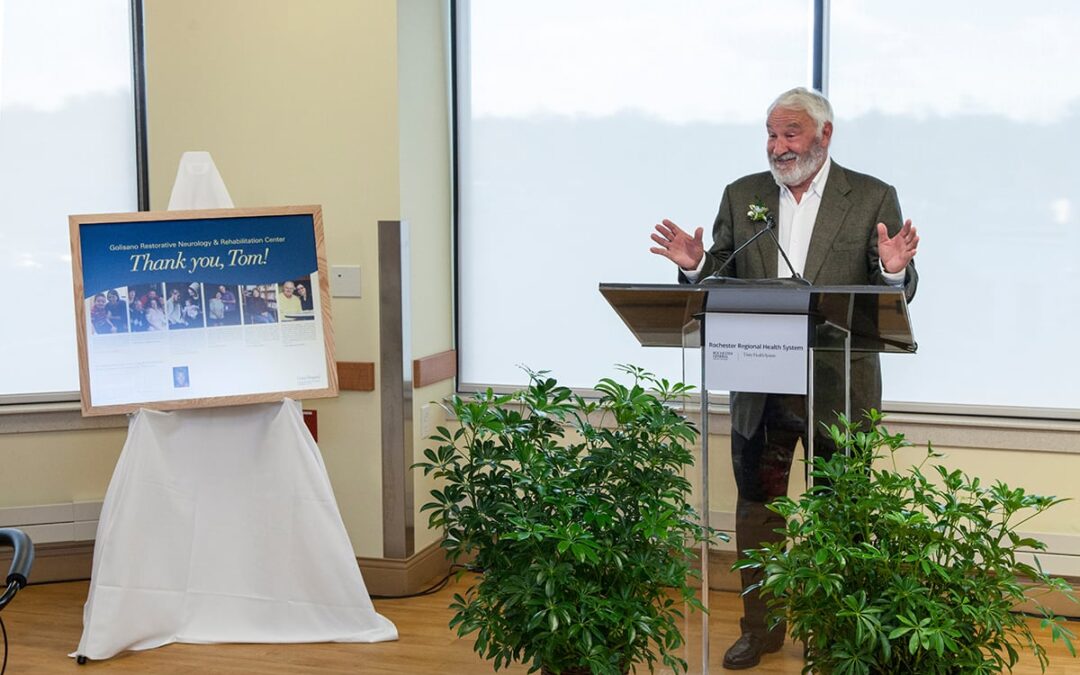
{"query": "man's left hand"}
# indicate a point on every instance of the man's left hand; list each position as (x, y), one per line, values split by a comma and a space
(897, 252)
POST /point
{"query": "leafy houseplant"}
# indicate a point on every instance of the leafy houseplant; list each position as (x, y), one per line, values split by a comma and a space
(577, 517)
(888, 571)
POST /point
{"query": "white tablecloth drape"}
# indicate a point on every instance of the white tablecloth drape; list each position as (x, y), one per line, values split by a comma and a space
(220, 525)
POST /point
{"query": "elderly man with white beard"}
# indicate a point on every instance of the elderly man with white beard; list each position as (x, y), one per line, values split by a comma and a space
(838, 227)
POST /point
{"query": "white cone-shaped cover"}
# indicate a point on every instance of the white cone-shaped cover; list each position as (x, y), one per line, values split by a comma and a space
(198, 184)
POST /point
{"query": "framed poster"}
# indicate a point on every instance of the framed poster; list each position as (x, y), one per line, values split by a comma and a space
(191, 309)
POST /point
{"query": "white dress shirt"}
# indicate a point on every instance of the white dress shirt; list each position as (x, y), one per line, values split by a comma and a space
(795, 222)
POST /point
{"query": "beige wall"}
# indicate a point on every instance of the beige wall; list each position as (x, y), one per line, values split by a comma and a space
(55, 467)
(1039, 472)
(297, 103)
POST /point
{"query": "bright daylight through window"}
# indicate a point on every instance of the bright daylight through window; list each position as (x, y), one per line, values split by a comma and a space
(67, 145)
(581, 125)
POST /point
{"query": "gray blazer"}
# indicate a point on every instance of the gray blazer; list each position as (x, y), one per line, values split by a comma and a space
(843, 251)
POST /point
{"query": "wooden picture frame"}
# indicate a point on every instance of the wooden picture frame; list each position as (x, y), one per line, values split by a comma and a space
(196, 309)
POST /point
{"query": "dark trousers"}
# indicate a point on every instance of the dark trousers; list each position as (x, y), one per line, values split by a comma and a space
(762, 465)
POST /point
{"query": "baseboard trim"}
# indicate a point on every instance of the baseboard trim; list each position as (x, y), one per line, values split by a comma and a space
(59, 561)
(721, 577)
(72, 561)
(405, 576)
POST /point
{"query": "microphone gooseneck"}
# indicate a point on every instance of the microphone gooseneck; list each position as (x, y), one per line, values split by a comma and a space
(770, 223)
(724, 265)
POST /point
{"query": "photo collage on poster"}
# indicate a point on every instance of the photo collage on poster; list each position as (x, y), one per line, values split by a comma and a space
(182, 306)
(167, 307)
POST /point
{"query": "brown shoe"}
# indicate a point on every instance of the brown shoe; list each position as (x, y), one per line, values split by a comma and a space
(747, 650)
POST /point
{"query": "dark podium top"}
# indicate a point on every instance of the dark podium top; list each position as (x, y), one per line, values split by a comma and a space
(666, 315)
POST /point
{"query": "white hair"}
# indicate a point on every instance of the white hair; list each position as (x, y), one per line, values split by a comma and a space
(813, 103)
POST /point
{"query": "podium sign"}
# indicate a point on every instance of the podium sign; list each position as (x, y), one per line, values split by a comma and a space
(763, 353)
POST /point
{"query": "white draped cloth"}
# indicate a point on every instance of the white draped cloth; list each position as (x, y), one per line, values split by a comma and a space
(220, 525)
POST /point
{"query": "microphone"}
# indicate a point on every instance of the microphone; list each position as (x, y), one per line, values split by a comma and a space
(770, 223)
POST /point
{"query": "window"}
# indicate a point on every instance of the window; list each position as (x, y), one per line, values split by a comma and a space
(67, 145)
(969, 114)
(582, 124)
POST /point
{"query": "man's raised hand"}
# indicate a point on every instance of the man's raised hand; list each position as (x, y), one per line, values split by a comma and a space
(678, 246)
(896, 252)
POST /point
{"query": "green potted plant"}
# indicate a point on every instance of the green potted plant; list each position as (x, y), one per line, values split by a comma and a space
(575, 515)
(885, 570)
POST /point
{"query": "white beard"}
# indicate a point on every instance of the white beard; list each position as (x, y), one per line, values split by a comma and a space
(806, 165)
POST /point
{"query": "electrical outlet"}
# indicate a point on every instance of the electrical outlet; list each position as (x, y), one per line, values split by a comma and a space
(430, 417)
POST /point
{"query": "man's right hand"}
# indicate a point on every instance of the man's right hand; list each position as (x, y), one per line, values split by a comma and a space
(678, 246)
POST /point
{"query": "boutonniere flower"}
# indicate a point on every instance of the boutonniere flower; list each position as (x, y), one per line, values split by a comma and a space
(758, 213)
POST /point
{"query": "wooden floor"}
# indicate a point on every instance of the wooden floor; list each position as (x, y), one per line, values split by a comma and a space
(44, 624)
